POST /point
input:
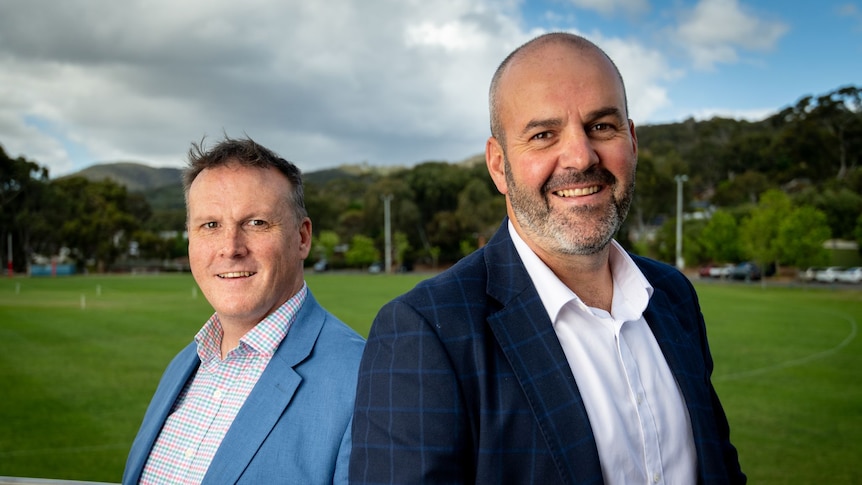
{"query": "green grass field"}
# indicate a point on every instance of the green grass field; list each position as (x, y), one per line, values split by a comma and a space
(81, 356)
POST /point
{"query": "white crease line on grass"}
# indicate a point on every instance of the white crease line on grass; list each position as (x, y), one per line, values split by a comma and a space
(802, 360)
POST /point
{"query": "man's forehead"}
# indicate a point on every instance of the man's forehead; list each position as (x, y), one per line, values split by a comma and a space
(554, 65)
(553, 53)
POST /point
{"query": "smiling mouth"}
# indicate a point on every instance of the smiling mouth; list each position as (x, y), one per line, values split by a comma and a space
(578, 192)
(235, 274)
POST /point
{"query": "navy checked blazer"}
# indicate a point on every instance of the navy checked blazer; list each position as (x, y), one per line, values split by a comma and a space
(463, 380)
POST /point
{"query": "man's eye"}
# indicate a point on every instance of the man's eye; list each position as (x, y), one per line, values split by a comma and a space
(602, 127)
(257, 222)
(210, 225)
(542, 136)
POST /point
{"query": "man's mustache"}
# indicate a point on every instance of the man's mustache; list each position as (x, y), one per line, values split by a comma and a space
(594, 175)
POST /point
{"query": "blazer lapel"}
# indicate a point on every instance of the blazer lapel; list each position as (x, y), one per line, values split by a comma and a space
(268, 400)
(679, 350)
(173, 382)
(684, 355)
(529, 342)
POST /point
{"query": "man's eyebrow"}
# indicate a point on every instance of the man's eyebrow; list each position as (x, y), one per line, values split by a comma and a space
(557, 122)
(541, 123)
(604, 112)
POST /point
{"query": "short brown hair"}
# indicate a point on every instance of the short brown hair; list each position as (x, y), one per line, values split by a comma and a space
(245, 152)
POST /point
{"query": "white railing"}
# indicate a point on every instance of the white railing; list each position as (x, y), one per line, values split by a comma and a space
(44, 481)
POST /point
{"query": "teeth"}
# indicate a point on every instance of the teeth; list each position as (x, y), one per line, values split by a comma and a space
(236, 274)
(578, 192)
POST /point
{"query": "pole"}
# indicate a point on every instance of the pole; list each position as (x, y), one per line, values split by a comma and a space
(387, 232)
(9, 253)
(680, 261)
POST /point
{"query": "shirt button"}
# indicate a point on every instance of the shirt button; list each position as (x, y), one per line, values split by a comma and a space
(640, 398)
(656, 477)
(217, 395)
(189, 453)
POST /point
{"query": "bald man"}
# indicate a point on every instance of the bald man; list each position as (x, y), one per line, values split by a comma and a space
(551, 355)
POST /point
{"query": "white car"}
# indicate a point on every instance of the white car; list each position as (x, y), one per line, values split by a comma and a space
(721, 271)
(829, 275)
(810, 274)
(850, 275)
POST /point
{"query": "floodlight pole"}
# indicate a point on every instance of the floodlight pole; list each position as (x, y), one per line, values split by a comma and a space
(680, 261)
(387, 232)
(9, 253)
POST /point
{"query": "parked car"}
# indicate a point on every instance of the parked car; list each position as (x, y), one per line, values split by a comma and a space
(321, 265)
(810, 274)
(850, 275)
(724, 271)
(747, 271)
(376, 267)
(828, 275)
(715, 271)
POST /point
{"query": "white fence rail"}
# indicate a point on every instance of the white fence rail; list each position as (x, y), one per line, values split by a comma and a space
(44, 481)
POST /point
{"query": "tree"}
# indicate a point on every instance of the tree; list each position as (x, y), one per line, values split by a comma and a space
(858, 231)
(841, 113)
(801, 236)
(324, 245)
(655, 194)
(759, 231)
(720, 237)
(742, 189)
(95, 220)
(436, 185)
(663, 247)
(840, 204)
(22, 190)
(479, 211)
(362, 251)
(402, 247)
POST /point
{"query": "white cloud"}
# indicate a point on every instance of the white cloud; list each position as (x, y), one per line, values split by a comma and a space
(383, 81)
(321, 83)
(851, 12)
(645, 71)
(754, 114)
(714, 31)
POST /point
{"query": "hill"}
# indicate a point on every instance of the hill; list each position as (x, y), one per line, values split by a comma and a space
(162, 187)
(136, 177)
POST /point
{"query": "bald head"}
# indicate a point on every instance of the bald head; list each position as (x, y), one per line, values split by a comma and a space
(532, 49)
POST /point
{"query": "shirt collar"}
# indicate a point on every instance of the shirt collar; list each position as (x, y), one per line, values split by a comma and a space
(263, 339)
(632, 291)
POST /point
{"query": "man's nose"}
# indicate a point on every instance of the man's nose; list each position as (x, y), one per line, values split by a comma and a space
(234, 243)
(577, 150)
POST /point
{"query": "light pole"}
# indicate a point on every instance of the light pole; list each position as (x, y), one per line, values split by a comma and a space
(387, 232)
(9, 252)
(680, 262)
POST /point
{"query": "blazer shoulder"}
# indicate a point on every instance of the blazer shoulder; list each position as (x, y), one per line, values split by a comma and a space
(659, 274)
(340, 338)
(447, 294)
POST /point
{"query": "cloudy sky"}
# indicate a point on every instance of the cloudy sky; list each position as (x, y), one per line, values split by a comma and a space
(382, 82)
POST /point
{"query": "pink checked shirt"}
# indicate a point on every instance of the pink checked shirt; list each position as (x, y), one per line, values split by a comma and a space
(205, 409)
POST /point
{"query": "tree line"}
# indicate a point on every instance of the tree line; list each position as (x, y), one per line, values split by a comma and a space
(771, 191)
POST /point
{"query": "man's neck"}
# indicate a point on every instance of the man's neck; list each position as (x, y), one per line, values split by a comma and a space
(231, 334)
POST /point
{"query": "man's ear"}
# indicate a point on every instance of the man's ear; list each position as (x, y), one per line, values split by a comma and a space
(305, 237)
(496, 161)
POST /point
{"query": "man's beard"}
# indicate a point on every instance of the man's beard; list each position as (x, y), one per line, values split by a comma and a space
(582, 230)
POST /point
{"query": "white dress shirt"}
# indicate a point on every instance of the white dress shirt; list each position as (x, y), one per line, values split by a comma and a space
(636, 409)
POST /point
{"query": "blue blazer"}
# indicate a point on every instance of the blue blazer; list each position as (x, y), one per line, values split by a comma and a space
(294, 428)
(463, 380)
